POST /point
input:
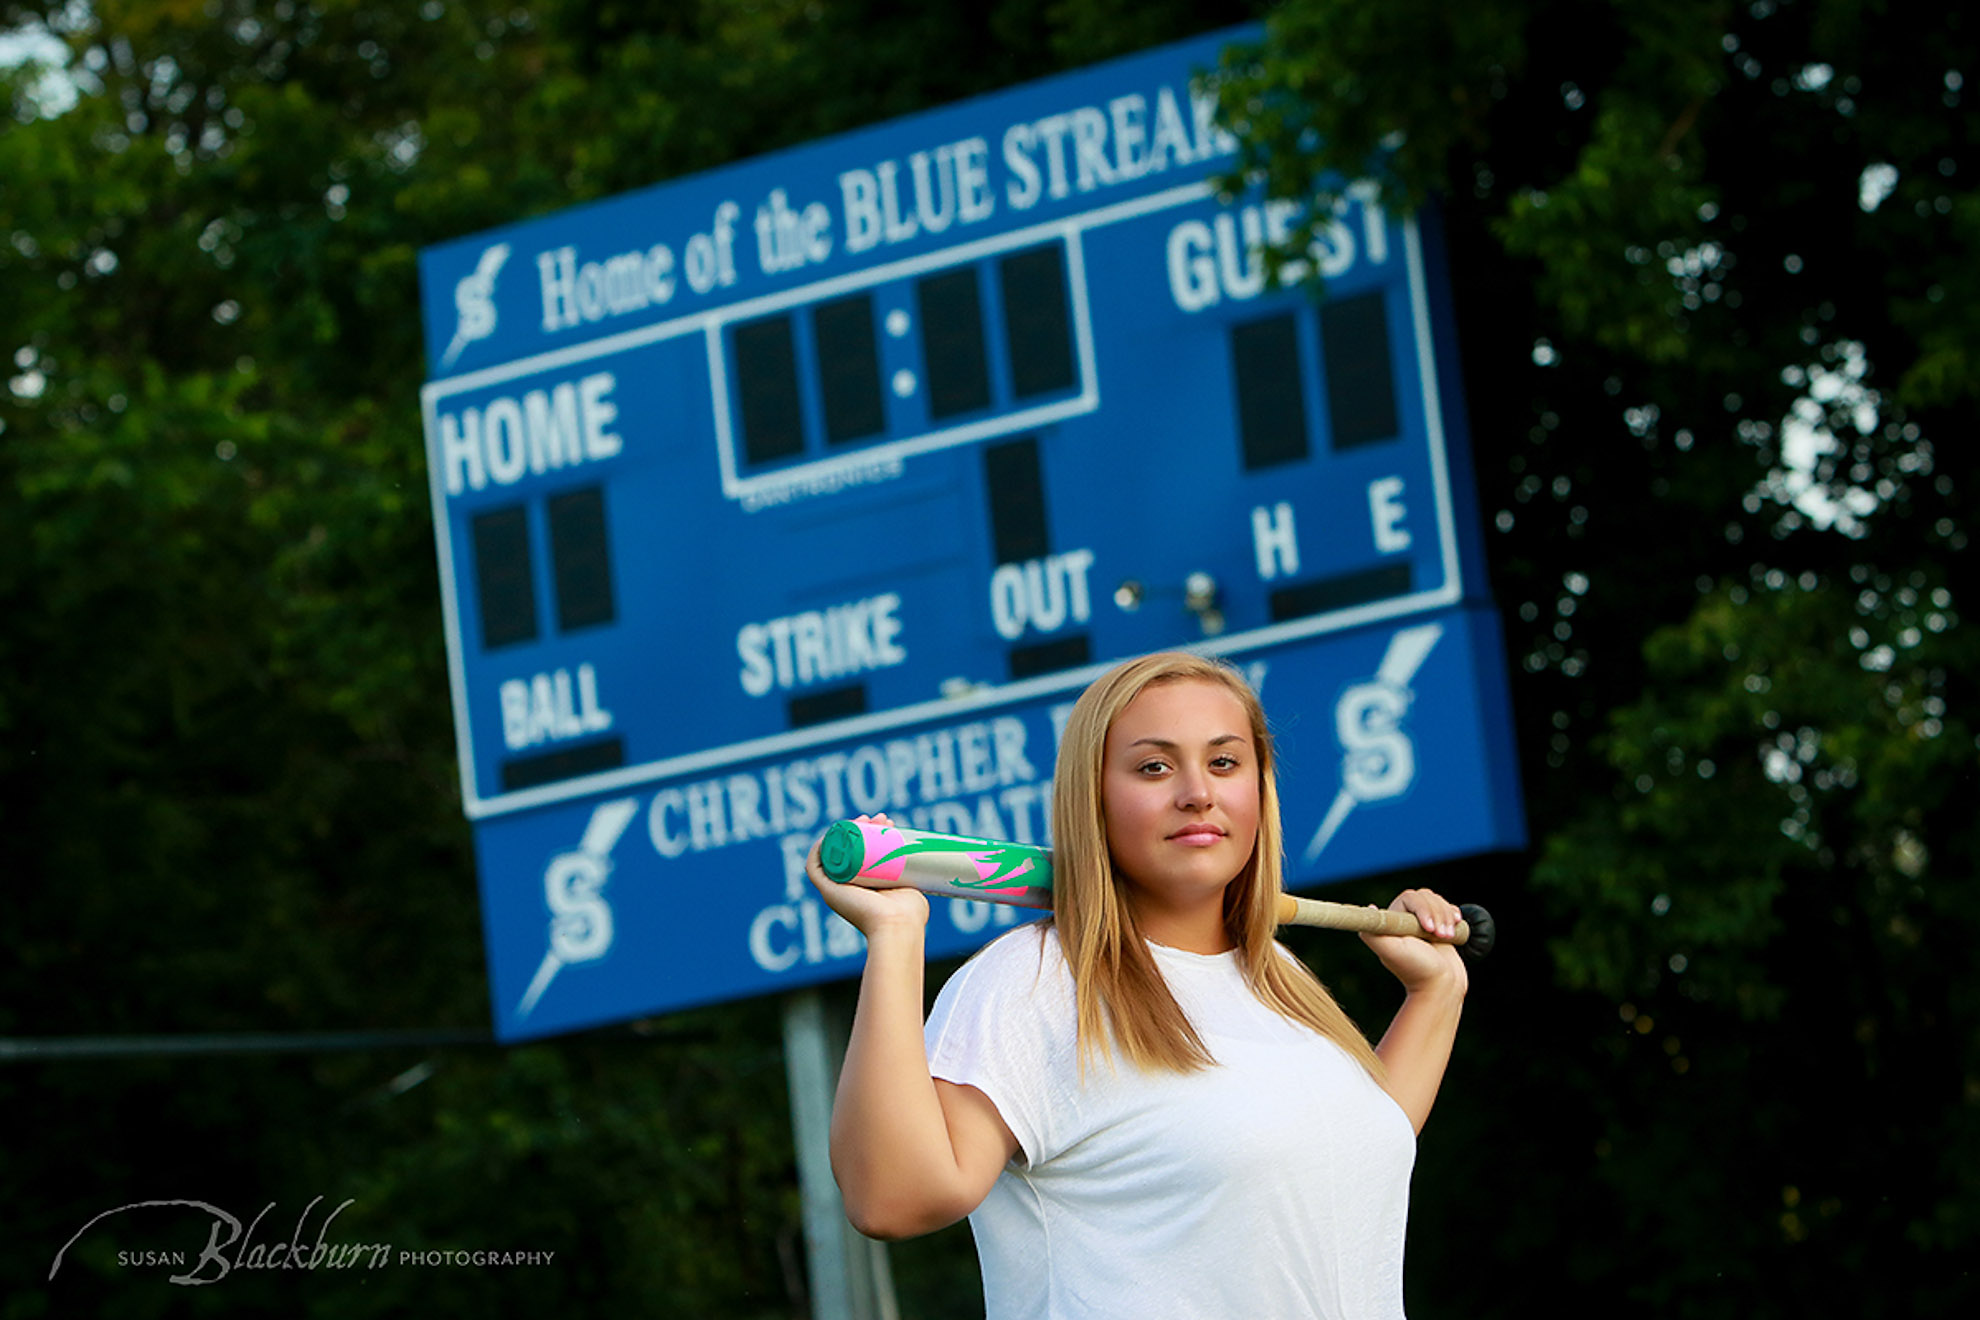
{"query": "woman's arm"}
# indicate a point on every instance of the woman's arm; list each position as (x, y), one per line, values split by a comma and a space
(1417, 1046)
(911, 1154)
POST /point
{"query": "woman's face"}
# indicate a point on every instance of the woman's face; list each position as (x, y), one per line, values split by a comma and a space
(1179, 794)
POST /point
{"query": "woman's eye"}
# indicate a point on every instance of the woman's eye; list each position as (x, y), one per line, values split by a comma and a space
(1153, 767)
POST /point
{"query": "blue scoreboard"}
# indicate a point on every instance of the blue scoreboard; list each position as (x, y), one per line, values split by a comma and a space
(821, 483)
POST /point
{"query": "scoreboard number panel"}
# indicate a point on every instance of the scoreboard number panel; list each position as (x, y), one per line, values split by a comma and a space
(911, 358)
(791, 462)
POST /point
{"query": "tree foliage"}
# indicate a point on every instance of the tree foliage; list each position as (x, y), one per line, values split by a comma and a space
(1717, 287)
(1709, 268)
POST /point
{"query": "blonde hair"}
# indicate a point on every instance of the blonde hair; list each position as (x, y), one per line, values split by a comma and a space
(1120, 991)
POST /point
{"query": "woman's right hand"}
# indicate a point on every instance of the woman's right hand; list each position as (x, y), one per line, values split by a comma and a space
(910, 1154)
(869, 910)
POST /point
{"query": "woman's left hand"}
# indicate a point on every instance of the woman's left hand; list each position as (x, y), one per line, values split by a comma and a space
(1423, 963)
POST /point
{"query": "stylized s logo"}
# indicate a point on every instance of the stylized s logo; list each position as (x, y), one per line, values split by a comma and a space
(474, 302)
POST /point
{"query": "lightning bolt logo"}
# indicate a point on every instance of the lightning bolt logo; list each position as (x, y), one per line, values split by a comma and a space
(474, 301)
(1381, 761)
(580, 918)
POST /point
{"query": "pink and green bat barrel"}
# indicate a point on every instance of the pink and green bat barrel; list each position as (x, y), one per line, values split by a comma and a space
(889, 857)
(955, 866)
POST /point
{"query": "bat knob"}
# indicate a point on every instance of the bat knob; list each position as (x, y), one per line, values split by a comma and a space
(1483, 932)
(842, 852)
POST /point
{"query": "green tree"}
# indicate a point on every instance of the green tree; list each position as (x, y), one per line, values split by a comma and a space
(1710, 263)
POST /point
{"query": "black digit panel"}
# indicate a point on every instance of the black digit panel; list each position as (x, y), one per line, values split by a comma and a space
(564, 763)
(1271, 404)
(1049, 657)
(1323, 595)
(581, 558)
(1018, 529)
(839, 703)
(952, 355)
(766, 382)
(1354, 350)
(848, 368)
(1036, 325)
(503, 585)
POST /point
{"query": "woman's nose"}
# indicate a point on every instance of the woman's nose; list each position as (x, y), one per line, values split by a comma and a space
(1192, 789)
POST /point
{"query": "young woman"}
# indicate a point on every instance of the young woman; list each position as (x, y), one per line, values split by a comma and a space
(1146, 1106)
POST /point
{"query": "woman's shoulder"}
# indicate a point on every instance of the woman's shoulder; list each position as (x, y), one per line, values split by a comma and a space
(1020, 962)
(1031, 947)
(1010, 1004)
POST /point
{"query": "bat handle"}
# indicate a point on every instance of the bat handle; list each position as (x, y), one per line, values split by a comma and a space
(1474, 935)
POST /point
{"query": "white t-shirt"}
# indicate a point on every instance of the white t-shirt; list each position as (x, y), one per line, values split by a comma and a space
(1275, 1184)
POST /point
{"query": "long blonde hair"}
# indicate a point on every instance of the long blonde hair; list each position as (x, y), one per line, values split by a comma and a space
(1120, 991)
